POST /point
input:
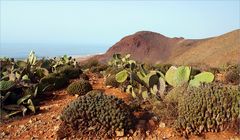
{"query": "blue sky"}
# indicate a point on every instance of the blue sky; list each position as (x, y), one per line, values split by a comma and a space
(106, 22)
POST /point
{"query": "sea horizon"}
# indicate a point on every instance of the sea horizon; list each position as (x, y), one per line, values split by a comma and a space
(21, 50)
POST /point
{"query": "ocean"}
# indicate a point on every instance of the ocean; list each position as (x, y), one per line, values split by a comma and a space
(21, 50)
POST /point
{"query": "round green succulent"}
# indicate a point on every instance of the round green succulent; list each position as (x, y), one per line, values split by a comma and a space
(97, 114)
(111, 81)
(80, 87)
(210, 108)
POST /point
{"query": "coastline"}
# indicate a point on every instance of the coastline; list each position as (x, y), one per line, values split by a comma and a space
(81, 58)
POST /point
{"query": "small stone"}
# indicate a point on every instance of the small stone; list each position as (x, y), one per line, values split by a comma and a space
(58, 117)
(138, 132)
(56, 128)
(119, 133)
(108, 86)
(162, 125)
(3, 134)
(53, 116)
(148, 133)
(9, 126)
(30, 121)
(40, 132)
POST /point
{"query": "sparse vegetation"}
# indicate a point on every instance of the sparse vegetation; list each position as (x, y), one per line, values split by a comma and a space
(185, 98)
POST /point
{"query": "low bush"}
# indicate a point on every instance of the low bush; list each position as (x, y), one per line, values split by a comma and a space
(99, 68)
(90, 63)
(84, 76)
(80, 87)
(53, 81)
(69, 71)
(232, 74)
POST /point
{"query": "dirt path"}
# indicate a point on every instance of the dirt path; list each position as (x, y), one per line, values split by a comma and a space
(45, 123)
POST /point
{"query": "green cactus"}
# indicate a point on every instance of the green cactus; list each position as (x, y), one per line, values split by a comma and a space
(122, 76)
(96, 111)
(210, 108)
(170, 74)
(6, 85)
(204, 77)
(80, 87)
(32, 58)
(178, 76)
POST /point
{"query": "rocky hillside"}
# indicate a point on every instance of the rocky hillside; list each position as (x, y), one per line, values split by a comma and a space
(151, 47)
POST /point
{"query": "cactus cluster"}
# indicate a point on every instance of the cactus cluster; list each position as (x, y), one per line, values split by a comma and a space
(98, 114)
(179, 76)
(210, 108)
(80, 87)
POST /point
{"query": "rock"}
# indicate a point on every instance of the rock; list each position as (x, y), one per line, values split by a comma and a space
(58, 117)
(3, 134)
(137, 133)
(9, 126)
(148, 133)
(56, 128)
(41, 132)
(108, 86)
(120, 133)
(162, 125)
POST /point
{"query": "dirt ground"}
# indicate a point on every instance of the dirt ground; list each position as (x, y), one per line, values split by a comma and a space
(45, 123)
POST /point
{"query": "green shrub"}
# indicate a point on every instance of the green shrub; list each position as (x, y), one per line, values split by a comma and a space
(210, 108)
(80, 87)
(97, 115)
(53, 81)
(111, 81)
(98, 68)
(84, 76)
(69, 71)
(90, 63)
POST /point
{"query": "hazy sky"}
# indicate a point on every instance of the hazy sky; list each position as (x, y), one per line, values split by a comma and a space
(106, 22)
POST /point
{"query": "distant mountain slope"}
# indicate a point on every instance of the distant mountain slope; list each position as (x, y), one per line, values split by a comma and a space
(153, 47)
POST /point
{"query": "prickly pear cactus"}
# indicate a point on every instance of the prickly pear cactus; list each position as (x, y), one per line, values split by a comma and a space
(6, 85)
(210, 108)
(32, 58)
(178, 76)
(122, 76)
(204, 77)
(170, 74)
